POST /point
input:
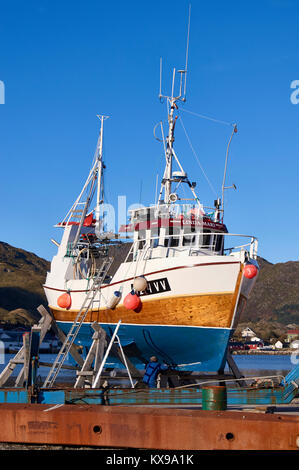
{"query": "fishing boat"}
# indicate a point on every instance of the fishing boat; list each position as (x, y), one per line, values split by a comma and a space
(183, 283)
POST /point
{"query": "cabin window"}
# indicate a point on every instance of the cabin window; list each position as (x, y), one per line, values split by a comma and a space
(173, 241)
(141, 244)
(155, 238)
(188, 240)
(173, 238)
(219, 243)
(141, 238)
(206, 238)
(155, 242)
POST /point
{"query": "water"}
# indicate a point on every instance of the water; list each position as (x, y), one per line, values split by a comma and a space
(68, 375)
(263, 365)
(249, 365)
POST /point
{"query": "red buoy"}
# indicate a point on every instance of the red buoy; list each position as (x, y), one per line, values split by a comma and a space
(250, 271)
(132, 301)
(64, 300)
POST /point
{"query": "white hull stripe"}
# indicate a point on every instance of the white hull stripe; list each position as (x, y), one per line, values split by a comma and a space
(147, 274)
(150, 324)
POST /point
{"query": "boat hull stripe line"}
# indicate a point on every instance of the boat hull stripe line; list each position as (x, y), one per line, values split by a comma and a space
(153, 324)
(147, 274)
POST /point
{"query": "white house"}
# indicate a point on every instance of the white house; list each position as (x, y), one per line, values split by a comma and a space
(295, 344)
(248, 333)
(278, 345)
(255, 338)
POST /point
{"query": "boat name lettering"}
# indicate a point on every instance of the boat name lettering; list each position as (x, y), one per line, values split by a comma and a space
(156, 287)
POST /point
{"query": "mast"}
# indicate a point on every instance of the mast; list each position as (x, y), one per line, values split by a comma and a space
(225, 169)
(93, 184)
(100, 167)
(169, 151)
(169, 148)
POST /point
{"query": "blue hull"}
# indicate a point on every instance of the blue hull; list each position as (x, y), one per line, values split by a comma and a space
(186, 348)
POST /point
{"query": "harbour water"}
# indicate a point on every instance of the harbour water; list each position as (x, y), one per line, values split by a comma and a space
(262, 365)
(249, 365)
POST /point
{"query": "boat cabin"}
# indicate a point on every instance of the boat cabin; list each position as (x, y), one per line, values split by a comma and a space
(159, 232)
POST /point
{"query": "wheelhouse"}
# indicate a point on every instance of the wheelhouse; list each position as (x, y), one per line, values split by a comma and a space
(161, 233)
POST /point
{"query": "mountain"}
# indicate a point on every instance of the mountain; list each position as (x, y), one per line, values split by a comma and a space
(21, 277)
(273, 307)
(273, 304)
(276, 294)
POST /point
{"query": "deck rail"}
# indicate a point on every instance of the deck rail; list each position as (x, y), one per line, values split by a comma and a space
(175, 244)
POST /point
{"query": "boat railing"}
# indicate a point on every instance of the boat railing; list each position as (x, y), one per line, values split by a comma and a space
(172, 246)
(175, 245)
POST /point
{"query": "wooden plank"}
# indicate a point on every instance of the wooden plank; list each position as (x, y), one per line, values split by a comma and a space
(42, 328)
(211, 310)
(100, 347)
(133, 371)
(44, 324)
(23, 376)
(61, 336)
(96, 349)
(235, 370)
(8, 370)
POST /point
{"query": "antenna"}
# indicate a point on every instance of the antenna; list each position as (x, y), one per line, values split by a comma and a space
(187, 52)
(172, 106)
(182, 92)
(235, 130)
(157, 177)
(173, 79)
(160, 94)
(140, 192)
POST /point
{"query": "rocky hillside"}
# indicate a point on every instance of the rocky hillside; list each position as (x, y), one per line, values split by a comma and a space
(273, 307)
(21, 277)
(276, 294)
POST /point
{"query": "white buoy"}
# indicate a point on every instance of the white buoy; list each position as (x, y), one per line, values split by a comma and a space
(140, 284)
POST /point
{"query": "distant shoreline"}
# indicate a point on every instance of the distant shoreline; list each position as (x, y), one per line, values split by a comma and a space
(283, 352)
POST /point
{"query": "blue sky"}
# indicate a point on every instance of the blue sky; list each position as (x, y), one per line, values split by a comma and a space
(64, 62)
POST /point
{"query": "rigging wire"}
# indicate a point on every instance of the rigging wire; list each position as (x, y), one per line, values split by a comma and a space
(226, 123)
(196, 156)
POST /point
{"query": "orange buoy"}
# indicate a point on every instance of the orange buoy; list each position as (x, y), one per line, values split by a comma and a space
(132, 301)
(64, 300)
(250, 271)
